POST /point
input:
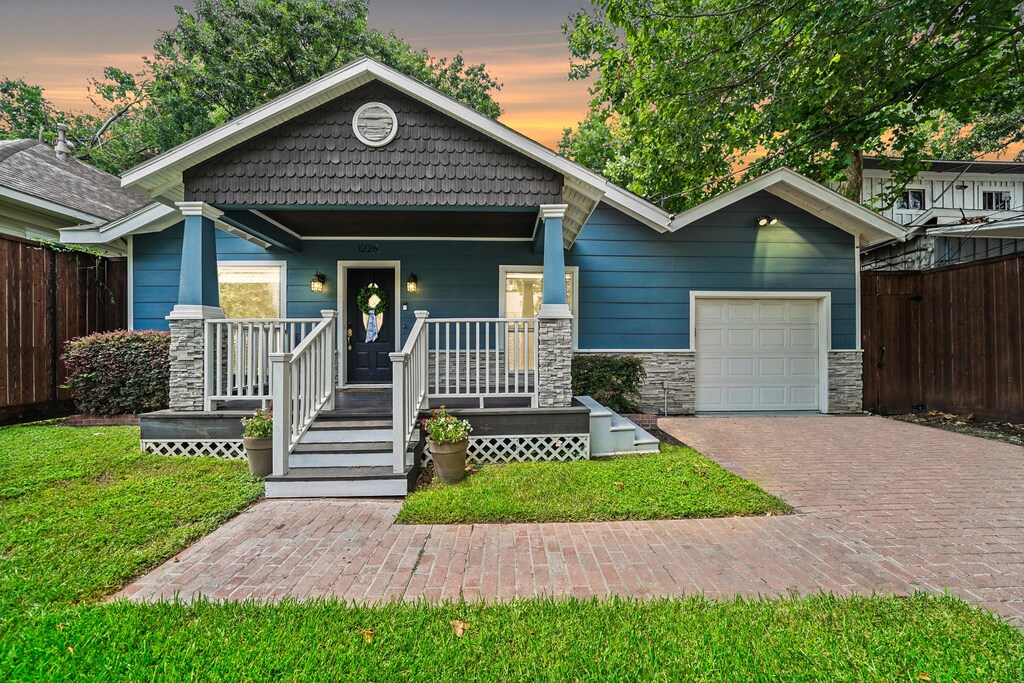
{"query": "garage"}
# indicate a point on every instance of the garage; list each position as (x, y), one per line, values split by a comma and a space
(758, 354)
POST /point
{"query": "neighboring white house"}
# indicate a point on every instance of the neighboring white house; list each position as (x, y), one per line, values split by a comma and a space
(957, 211)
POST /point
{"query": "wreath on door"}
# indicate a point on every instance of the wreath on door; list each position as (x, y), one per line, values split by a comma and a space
(364, 299)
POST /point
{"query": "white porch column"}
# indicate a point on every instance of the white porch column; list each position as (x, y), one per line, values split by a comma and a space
(554, 321)
(198, 301)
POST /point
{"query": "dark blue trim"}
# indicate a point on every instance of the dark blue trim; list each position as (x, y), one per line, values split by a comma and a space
(260, 227)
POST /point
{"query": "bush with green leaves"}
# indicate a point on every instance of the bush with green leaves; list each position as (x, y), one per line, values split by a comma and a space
(612, 381)
(118, 373)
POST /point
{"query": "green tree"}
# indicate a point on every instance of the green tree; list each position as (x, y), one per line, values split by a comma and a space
(687, 92)
(227, 56)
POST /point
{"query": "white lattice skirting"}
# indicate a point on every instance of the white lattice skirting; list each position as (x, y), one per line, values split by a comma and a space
(525, 448)
(225, 449)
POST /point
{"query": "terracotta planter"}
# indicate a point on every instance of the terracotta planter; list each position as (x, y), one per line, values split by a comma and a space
(260, 452)
(449, 460)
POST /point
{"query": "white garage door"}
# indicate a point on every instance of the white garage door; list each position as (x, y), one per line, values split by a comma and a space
(757, 354)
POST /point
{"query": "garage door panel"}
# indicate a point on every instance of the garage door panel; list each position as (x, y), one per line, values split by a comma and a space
(739, 338)
(771, 367)
(757, 354)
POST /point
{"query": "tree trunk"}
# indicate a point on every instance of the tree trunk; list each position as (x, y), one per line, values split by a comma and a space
(854, 175)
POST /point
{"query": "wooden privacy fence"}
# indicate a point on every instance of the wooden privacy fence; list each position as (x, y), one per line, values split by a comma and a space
(46, 298)
(946, 339)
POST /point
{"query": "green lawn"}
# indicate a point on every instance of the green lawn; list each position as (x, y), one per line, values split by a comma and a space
(815, 639)
(82, 511)
(675, 483)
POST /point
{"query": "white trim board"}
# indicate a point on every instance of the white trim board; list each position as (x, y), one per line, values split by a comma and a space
(804, 193)
(824, 327)
(343, 268)
(131, 282)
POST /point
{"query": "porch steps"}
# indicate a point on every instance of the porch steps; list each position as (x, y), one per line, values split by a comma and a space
(342, 456)
(339, 482)
(612, 434)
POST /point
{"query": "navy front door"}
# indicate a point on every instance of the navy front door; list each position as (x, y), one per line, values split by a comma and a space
(369, 361)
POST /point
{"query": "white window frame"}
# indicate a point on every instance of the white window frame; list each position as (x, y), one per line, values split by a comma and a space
(924, 199)
(282, 265)
(1003, 190)
(574, 271)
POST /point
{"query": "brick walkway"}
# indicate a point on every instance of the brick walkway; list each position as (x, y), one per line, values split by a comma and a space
(883, 506)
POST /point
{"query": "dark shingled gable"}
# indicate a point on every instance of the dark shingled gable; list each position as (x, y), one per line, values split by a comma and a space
(315, 160)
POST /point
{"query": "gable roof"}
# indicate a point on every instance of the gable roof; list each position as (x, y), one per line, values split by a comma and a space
(161, 177)
(32, 174)
(804, 193)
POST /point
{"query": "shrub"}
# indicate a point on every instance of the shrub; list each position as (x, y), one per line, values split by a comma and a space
(114, 373)
(612, 381)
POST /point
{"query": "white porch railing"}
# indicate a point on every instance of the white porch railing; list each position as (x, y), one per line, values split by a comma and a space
(463, 358)
(303, 383)
(483, 357)
(237, 355)
(408, 389)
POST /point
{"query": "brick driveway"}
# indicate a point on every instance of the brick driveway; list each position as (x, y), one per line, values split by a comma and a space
(882, 506)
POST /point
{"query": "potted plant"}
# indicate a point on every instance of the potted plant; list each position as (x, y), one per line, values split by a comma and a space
(448, 439)
(259, 446)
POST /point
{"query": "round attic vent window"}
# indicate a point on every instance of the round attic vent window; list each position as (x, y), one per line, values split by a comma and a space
(375, 124)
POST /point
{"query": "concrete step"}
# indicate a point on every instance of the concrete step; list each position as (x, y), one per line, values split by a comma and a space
(339, 482)
(612, 434)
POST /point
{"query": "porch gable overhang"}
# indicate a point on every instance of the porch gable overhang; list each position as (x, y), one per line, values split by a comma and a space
(162, 176)
(804, 193)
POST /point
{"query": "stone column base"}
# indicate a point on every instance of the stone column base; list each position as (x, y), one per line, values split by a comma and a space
(188, 341)
(554, 361)
(845, 381)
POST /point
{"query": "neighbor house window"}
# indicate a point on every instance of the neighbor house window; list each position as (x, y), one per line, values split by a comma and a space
(522, 293)
(911, 200)
(996, 200)
(252, 290)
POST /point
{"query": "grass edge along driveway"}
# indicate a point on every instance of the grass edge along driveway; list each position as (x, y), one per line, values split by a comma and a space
(676, 483)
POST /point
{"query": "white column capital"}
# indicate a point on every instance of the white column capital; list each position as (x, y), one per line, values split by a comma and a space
(195, 312)
(199, 209)
(547, 211)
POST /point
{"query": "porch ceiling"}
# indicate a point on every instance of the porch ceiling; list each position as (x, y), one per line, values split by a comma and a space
(317, 223)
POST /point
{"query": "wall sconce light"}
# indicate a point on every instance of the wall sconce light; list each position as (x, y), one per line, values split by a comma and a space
(763, 221)
(412, 285)
(317, 283)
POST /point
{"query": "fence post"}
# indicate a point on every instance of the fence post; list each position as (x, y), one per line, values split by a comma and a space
(280, 364)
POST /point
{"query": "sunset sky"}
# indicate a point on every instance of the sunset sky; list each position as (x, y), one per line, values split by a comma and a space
(59, 44)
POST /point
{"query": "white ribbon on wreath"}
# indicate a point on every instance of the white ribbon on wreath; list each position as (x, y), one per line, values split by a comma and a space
(372, 322)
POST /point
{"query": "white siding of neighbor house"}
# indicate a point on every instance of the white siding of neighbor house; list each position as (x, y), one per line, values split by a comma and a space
(941, 191)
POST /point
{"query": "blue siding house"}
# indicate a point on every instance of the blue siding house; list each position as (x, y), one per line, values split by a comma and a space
(367, 241)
